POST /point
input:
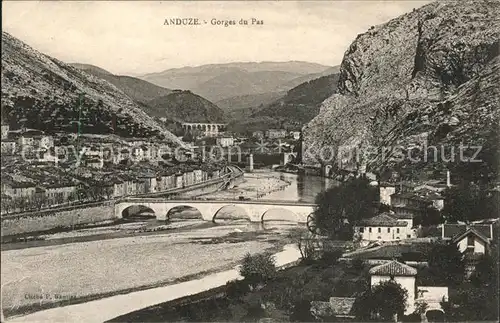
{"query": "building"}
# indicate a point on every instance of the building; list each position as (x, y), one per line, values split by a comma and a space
(416, 203)
(399, 273)
(46, 141)
(470, 238)
(383, 227)
(225, 141)
(275, 133)
(165, 181)
(385, 191)
(60, 192)
(5, 131)
(9, 146)
(198, 175)
(258, 134)
(18, 189)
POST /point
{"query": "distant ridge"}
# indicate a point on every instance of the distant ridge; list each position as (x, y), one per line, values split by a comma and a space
(175, 106)
(139, 90)
(218, 82)
(90, 68)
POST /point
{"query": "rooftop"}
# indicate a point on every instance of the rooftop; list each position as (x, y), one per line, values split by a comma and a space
(393, 268)
(383, 220)
(452, 230)
(472, 231)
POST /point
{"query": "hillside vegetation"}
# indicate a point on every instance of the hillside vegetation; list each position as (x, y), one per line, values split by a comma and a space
(292, 111)
(186, 106)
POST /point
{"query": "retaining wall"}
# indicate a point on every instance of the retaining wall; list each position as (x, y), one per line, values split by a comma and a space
(59, 218)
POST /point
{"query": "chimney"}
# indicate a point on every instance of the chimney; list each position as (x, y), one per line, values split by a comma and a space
(448, 181)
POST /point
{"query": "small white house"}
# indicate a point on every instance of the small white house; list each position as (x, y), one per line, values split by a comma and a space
(471, 238)
(399, 273)
(472, 241)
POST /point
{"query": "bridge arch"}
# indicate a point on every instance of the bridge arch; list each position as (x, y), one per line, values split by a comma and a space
(138, 211)
(183, 212)
(280, 214)
(231, 212)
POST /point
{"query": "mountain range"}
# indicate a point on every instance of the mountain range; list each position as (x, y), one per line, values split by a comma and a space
(218, 82)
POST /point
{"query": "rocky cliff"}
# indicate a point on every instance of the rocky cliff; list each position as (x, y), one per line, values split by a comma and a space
(425, 77)
(41, 92)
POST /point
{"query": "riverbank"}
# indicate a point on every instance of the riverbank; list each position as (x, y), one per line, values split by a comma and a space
(41, 277)
(112, 307)
(258, 184)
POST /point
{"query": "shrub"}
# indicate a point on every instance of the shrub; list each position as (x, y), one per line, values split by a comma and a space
(358, 264)
(236, 289)
(301, 311)
(331, 257)
(305, 242)
(258, 268)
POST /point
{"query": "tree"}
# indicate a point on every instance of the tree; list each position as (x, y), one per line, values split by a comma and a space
(258, 268)
(305, 243)
(446, 263)
(484, 273)
(382, 301)
(468, 202)
(340, 207)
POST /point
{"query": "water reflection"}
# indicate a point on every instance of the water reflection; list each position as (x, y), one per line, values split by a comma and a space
(303, 188)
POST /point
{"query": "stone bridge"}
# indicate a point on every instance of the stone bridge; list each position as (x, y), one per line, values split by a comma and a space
(255, 211)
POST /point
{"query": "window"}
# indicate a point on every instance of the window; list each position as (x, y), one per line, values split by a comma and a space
(379, 230)
(388, 230)
(397, 230)
(470, 241)
(361, 229)
(370, 230)
(408, 236)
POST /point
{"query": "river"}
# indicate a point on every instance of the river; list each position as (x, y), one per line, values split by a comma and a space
(101, 268)
(303, 188)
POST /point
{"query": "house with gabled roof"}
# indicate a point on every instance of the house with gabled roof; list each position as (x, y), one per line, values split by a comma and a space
(471, 238)
(383, 227)
(400, 273)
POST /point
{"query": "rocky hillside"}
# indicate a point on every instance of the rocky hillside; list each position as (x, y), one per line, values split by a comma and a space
(301, 103)
(41, 92)
(185, 106)
(137, 89)
(297, 107)
(422, 75)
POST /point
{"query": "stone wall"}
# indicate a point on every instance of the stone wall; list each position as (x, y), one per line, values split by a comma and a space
(58, 218)
(66, 217)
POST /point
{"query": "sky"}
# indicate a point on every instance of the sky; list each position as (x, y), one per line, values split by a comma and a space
(130, 38)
